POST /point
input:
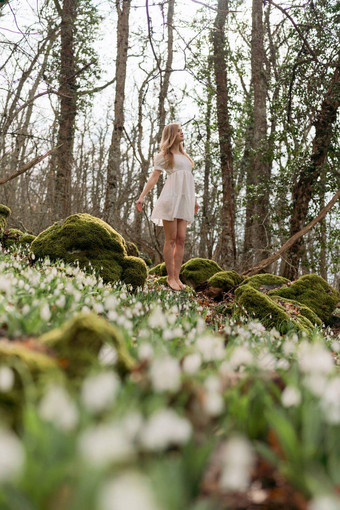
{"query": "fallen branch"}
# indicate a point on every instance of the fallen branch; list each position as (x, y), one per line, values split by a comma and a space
(266, 262)
(28, 165)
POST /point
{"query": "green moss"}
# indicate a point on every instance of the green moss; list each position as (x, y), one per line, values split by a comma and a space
(135, 271)
(301, 309)
(225, 280)
(77, 344)
(269, 313)
(88, 240)
(36, 362)
(198, 270)
(4, 213)
(265, 281)
(27, 239)
(13, 236)
(132, 249)
(314, 292)
(159, 270)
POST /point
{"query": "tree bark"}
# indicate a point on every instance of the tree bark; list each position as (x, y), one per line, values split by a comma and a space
(111, 211)
(304, 187)
(68, 111)
(297, 236)
(257, 235)
(227, 247)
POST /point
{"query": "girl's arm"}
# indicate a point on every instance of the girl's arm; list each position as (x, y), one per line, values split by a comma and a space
(148, 187)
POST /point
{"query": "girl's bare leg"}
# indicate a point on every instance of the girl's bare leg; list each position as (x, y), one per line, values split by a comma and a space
(179, 249)
(170, 231)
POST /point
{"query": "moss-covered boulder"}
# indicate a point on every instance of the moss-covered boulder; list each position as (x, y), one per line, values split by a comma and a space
(271, 314)
(77, 343)
(314, 292)
(265, 282)
(14, 236)
(91, 242)
(131, 249)
(198, 270)
(5, 212)
(225, 280)
(294, 308)
(159, 270)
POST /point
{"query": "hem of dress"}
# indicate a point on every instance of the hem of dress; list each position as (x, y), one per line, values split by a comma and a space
(159, 221)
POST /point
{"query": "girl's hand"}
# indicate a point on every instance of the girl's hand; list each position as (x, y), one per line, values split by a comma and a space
(196, 207)
(139, 204)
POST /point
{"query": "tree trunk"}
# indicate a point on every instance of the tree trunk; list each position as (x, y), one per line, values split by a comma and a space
(304, 187)
(68, 110)
(257, 235)
(227, 248)
(111, 211)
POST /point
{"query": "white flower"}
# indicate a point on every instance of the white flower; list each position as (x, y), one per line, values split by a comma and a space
(45, 312)
(165, 374)
(145, 351)
(237, 462)
(325, 502)
(336, 345)
(165, 428)
(107, 355)
(282, 364)
(213, 404)
(290, 396)
(5, 284)
(61, 301)
(266, 361)
(57, 407)
(6, 379)
(315, 383)
(105, 444)
(12, 456)
(99, 391)
(192, 363)
(315, 358)
(127, 491)
(132, 423)
(240, 356)
(330, 401)
(210, 347)
(157, 318)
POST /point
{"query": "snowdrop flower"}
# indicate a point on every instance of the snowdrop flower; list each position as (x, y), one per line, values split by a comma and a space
(105, 444)
(315, 383)
(99, 391)
(57, 407)
(61, 301)
(6, 379)
(237, 462)
(45, 312)
(210, 347)
(5, 284)
(145, 352)
(192, 363)
(127, 491)
(290, 397)
(314, 358)
(336, 346)
(107, 355)
(282, 364)
(266, 361)
(213, 404)
(240, 356)
(165, 374)
(325, 502)
(330, 401)
(12, 456)
(257, 328)
(165, 428)
(132, 424)
(112, 315)
(157, 318)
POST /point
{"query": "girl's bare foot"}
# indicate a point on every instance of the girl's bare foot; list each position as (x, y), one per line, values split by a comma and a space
(181, 284)
(173, 284)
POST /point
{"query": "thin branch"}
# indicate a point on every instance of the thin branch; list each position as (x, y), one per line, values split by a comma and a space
(96, 89)
(29, 165)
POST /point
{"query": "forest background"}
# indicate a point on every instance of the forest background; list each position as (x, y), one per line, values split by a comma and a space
(255, 85)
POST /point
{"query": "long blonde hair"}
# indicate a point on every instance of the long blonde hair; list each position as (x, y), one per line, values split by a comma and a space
(168, 138)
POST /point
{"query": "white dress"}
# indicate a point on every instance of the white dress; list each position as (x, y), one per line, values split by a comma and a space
(177, 199)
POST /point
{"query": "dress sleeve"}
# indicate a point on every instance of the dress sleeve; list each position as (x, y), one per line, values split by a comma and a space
(159, 162)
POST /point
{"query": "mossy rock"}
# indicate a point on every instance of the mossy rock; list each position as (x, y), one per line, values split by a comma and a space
(265, 282)
(132, 249)
(92, 242)
(78, 342)
(225, 280)
(159, 270)
(5, 212)
(269, 313)
(288, 304)
(28, 365)
(198, 270)
(13, 236)
(313, 291)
